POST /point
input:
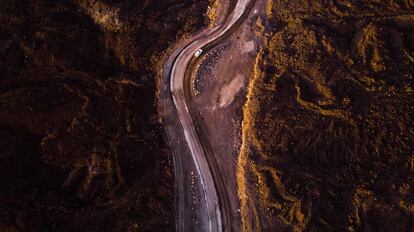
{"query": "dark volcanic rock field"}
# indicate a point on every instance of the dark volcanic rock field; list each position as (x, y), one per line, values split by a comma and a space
(81, 147)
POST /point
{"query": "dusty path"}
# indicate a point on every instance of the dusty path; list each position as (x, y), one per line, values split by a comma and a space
(212, 192)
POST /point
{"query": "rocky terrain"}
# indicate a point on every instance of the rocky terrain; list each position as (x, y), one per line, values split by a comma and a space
(81, 145)
(328, 128)
(328, 136)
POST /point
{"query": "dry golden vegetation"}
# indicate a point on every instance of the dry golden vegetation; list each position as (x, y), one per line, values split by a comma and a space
(328, 131)
(212, 12)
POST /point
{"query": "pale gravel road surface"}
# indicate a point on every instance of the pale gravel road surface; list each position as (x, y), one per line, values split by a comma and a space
(177, 85)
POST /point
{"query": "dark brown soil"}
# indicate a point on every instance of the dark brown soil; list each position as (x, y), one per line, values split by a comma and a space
(332, 118)
(81, 147)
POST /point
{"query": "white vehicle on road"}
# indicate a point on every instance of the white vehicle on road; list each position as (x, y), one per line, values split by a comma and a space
(198, 52)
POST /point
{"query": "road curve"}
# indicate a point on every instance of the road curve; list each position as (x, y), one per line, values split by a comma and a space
(177, 86)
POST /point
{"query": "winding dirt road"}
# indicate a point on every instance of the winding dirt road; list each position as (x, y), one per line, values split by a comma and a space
(213, 193)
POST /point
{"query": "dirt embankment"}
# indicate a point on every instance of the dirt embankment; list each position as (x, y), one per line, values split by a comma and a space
(329, 123)
(81, 146)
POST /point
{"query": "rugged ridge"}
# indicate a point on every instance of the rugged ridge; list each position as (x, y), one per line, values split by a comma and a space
(328, 126)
